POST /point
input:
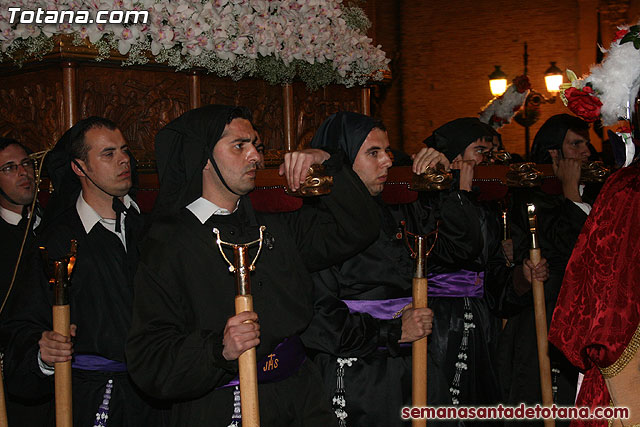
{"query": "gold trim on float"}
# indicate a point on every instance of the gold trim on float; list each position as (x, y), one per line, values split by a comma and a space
(624, 359)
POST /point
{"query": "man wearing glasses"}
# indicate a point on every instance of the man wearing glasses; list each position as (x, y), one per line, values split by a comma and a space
(17, 189)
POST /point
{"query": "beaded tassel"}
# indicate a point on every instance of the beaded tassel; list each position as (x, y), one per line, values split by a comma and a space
(555, 373)
(236, 418)
(461, 364)
(102, 416)
(339, 400)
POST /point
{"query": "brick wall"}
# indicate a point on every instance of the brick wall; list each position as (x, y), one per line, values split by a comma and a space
(443, 51)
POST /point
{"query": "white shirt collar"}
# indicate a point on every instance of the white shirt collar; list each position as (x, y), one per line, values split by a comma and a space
(10, 216)
(204, 209)
(14, 218)
(90, 217)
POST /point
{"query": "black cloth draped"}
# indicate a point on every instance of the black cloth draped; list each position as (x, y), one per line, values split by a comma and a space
(23, 411)
(100, 299)
(378, 384)
(185, 294)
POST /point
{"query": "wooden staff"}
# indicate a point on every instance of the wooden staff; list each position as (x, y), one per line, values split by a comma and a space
(540, 311)
(59, 279)
(3, 406)
(247, 366)
(419, 347)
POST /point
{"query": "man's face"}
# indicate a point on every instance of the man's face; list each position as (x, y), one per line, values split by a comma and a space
(238, 153)
(477, 149)
(373, 161)
(108, 163)
(575, 145)
(19, 185)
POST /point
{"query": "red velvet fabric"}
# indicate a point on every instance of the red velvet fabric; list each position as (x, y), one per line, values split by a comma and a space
(598, 308)
(398, 193)
(274, 200)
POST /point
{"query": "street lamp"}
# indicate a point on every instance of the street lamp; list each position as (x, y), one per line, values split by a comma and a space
(497, 81)
(530, 113)
(553, 79)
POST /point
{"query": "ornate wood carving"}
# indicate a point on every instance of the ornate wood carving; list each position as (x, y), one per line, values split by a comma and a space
(44, 98)
(264, 100)
(32, 107)
(311, 108)
(140, 102)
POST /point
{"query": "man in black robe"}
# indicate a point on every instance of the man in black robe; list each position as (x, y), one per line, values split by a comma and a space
(185, 338)
(563, 141)
(362, 326)
(17, 190)
(91, 170)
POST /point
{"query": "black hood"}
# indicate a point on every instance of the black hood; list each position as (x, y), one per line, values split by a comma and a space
(66, 184)
(343, 131)
(454, 137)
(551, 135)
(182, 150)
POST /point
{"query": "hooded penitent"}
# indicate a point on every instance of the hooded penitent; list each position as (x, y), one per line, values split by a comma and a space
(66, 184)
(344, 131)
(182, 150)
(551, 135)
(454, 137)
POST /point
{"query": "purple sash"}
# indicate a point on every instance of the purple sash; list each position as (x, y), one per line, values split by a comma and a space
(460, 284)
(92, 362)
(280, 364)
(380, 309)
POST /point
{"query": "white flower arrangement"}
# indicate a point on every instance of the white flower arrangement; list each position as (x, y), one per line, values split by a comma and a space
(609, 90)
(317, 41)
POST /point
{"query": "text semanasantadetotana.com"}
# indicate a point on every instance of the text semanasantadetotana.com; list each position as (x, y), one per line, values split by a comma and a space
(521, 412)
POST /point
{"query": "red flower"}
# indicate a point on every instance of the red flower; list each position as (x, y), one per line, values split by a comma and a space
(620, 34)
(522, 83)
(583, 103)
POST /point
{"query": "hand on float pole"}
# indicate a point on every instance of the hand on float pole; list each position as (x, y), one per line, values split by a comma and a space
(59, 278)
(540, 312)
(247, 361)
(248, 370)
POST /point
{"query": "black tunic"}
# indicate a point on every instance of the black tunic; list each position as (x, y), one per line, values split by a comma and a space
(101, 295)
(23, 411)
(185, 294)
(378, 384)
(559, 223)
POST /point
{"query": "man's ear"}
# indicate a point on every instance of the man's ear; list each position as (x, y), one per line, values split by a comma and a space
(77, 170)
(207, 165)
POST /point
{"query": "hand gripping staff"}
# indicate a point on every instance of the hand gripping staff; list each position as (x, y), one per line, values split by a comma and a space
(541, 318)
(419, 348)
(244, 302)
(59, 271)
